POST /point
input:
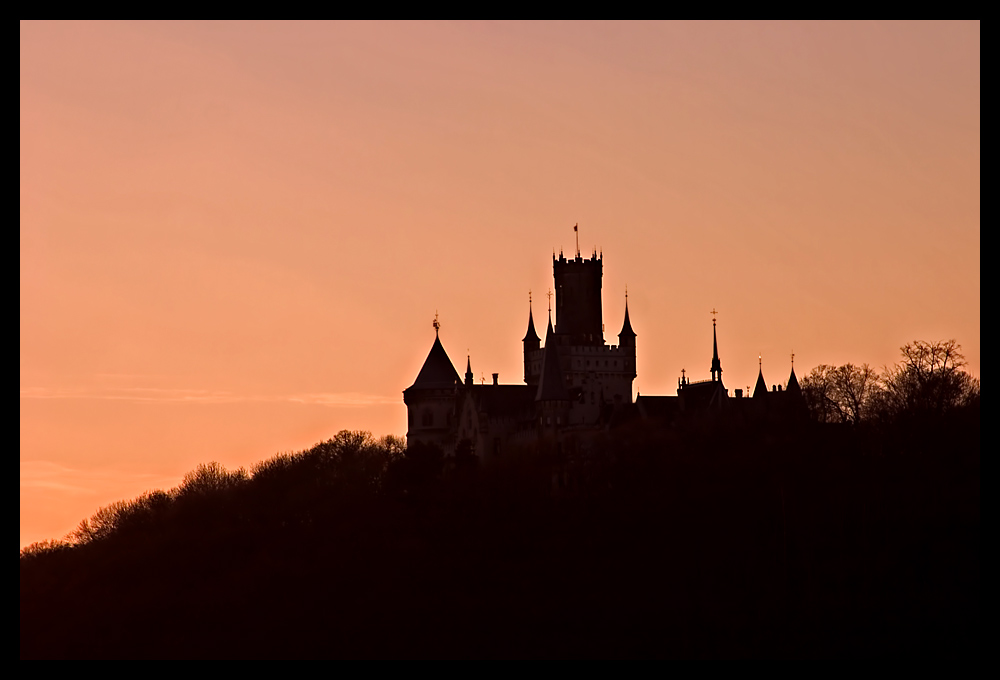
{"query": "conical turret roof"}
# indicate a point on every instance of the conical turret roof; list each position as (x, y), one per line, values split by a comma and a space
(760, 389)
(551, 386)
(437, 372)
(793, 383)
(531, 335)
(627, 332)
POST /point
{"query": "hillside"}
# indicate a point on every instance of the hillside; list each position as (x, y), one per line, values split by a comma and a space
(826, 541)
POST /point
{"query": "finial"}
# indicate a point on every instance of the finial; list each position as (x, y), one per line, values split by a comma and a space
(760, 361)
(576, 230)
(713, 315)
(436, 324)
(550, 302)
(793, 358)
(626, 292)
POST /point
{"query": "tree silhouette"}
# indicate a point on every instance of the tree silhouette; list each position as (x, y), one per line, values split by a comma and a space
(841, 394)
(929, 381)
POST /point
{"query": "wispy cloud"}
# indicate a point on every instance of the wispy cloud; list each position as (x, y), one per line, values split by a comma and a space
(160, 394)
(343, 399)
(45, 475)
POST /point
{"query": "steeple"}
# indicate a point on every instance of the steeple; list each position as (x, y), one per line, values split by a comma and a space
(627, 336)
(468, 370)
(760, 389)
(716, 364)
(531, 338)
(551, 386)
(793, 386)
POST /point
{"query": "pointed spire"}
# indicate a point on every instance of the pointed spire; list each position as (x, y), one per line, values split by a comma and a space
(760, 389)
(468, 370)
(531, 337)
(551, 386)
(793, 382)
(716, 364)
(627, 336)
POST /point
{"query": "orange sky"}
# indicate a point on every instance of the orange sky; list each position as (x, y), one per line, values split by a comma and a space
(234, 236)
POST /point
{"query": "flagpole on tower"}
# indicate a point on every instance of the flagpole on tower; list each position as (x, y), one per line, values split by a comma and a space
(576, 230)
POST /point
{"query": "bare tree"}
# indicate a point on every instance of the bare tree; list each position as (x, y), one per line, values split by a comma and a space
(817, 390)
(841, 394)
(929, 380)
(855, 387)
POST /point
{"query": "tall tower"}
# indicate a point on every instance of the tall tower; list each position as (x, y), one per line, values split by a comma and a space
(579, 317)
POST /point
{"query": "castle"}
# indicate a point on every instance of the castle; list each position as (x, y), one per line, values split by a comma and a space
(574, 384)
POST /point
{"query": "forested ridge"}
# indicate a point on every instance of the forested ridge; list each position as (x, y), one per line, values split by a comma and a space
(826, 537)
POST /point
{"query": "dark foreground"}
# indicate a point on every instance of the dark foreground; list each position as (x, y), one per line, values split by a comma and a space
(825, 542)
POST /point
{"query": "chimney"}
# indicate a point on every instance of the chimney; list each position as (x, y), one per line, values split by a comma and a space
(496, 378)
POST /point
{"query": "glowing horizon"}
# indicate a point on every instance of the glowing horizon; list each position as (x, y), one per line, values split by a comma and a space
(234, 236)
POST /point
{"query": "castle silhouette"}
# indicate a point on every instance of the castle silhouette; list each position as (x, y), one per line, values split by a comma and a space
(574, 385)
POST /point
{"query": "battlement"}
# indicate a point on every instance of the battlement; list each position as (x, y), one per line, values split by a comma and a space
(594, 258)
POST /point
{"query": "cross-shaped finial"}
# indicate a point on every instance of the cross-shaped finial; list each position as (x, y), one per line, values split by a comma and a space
(550, 299)
(436, 324)
(793, 359)
(713, 315)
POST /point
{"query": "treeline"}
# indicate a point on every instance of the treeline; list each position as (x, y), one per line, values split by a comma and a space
(760, 540)
(928, 383)
(290, 487)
